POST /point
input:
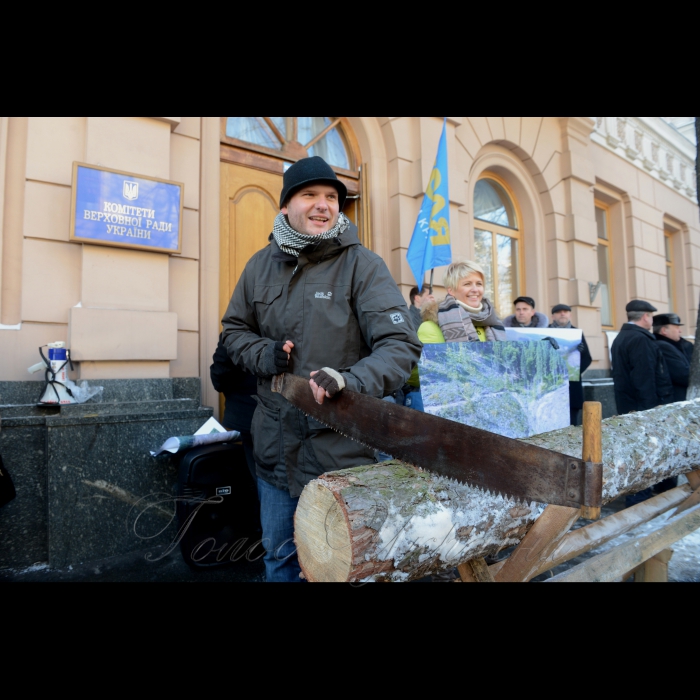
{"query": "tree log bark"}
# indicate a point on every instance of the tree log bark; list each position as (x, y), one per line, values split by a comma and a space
(391, 522)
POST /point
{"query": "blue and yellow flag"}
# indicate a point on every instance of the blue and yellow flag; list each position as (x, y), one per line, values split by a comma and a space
(430, 246)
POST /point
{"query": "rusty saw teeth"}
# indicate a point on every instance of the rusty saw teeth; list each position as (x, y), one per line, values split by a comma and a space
(496, 465)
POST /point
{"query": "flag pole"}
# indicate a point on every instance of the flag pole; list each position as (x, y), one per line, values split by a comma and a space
(432, 275)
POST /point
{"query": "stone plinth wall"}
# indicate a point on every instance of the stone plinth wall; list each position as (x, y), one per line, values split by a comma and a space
(84, 474)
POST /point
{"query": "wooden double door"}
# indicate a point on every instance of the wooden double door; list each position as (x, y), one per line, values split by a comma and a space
(249, 206)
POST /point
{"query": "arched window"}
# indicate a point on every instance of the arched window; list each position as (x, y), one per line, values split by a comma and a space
(497, 242)
(294, 137)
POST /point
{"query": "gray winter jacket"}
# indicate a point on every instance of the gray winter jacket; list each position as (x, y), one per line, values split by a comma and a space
(538, 321)
(341, 308)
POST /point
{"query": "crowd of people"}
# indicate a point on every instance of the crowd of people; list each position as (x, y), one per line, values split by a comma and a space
(650, 368)
(318, 304)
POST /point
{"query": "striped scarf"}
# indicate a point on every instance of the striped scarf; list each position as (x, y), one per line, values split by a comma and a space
(458, 325)
(292, 242)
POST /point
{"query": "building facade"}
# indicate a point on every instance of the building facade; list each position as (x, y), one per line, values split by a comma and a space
(588, 211)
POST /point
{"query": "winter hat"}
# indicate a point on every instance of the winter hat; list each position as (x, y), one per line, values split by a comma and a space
(668, 320)
(639, 305)
(308, 171)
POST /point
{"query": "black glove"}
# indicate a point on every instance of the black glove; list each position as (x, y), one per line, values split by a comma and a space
(582, 347)
(329, 380)
(552, 342)
(274, 360)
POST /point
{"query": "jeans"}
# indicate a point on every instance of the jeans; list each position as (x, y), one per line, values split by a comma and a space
(277, 510)
(409, 399)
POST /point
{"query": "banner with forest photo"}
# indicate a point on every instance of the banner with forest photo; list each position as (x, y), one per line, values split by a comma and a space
(509, 388)
(568, 340)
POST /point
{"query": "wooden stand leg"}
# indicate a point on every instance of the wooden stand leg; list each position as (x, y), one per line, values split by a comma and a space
(465, 573)
(546, 534)
(538, 544)
(694, 481)
(475, 571)
(592, 445)
(656, 569)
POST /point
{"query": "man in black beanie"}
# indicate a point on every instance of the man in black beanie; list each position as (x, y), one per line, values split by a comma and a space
(316, 304)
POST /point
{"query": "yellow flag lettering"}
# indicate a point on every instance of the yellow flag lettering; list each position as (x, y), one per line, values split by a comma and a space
(440, 226)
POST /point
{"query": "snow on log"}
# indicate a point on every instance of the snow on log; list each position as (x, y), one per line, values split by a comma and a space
(392, 522)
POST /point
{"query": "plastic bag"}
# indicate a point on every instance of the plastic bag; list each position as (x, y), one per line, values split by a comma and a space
(83, 392)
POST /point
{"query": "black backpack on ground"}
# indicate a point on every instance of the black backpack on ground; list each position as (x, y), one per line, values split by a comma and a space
(7, 488)
(218, 512)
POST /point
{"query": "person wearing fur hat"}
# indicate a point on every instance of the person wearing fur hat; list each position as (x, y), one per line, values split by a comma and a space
(465, 315)
(317, 304)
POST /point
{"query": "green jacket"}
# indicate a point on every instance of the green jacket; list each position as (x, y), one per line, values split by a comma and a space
(429, 333)
(341, 308)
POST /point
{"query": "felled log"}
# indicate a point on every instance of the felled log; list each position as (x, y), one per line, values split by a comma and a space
(392, 522)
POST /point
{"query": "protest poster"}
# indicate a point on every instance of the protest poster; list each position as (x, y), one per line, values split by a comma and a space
(568, 340)
(512, 389)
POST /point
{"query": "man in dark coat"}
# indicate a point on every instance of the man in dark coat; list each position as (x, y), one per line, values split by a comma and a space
(317, 304)
(667, 329)
(239, 389)
(561, 315)
(642, 380)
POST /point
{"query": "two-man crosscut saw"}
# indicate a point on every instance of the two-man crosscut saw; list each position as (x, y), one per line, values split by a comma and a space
(459, 452)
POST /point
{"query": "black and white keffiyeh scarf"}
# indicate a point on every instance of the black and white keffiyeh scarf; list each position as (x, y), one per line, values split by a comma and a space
(292, 242)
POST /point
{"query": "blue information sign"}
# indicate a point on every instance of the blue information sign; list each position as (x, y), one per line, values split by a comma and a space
(130, 211)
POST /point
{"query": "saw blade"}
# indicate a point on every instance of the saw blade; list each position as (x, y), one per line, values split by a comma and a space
(460, 453)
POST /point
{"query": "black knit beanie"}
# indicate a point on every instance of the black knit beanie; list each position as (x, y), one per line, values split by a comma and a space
(308, 171)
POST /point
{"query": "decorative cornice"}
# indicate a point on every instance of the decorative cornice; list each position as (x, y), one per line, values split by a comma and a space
(173, 121)
(651, 145)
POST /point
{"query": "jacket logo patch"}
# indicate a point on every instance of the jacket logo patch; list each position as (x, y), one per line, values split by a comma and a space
(397, 318)
(321, 295)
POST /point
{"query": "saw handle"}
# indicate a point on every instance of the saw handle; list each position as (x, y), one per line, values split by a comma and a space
(277, 384)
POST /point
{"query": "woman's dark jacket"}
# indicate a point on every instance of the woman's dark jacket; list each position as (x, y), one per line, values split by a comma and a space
(341, 308)
(237, 386)
(642, 380)
(678, 366)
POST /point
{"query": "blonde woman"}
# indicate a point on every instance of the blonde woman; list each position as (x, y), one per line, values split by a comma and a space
(465, 316)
